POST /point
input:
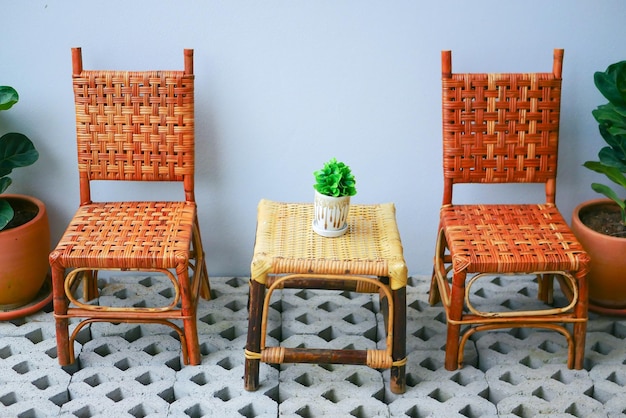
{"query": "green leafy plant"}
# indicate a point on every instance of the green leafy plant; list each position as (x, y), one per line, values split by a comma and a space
(335, 179)
(16, 150)
(611, 118)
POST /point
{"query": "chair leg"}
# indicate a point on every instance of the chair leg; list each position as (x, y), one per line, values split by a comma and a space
(60, 304)
(546, 287)
(253, 344)
(581, 312)
(90, 284)
(434, 297)
(580, 332)
(203, 274)
(188, 311)
(205, 285)
(191, 339)
(455, 312)
(398, 377)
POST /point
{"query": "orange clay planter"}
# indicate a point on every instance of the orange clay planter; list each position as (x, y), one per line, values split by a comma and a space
(607, 273)
(24, 262)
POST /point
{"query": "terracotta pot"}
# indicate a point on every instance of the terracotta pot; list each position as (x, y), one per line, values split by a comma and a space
(24, 257)
(607, 274)
(331, 215)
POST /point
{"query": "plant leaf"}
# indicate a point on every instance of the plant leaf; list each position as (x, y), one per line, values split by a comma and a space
(613, 158)
(8, 97)
(16, 150)
(617, 146)
(6, 213)
(610, 193)
(612, 83)
(5, 182)
(335, 179)
(612, 173)
(608, 114)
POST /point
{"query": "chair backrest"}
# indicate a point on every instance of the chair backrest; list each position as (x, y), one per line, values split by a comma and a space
(134, 125)
(500, 128)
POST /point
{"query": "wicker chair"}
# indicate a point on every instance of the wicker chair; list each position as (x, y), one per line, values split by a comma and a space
(503, 128)
(132, 126)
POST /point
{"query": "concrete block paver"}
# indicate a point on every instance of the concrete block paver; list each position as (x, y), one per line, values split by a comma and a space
(133, 370)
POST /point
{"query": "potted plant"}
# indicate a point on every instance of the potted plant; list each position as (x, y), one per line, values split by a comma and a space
(24, 229)
(600, 224)
(334, 184)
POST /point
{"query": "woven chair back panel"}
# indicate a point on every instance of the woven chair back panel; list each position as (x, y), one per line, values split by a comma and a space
(500, 128)
(135, 125)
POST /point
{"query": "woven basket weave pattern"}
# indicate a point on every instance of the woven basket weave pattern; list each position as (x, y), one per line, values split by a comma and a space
(372, 245)
(501, 127)
(135, 125)
(129, 234)
(505, 238)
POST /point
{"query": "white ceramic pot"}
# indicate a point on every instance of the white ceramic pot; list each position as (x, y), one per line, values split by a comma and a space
(331, 215)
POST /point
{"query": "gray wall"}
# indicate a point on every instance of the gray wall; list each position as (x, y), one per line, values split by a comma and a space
(282, 86)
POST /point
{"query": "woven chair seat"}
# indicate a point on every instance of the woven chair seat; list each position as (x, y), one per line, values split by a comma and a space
(128, 235)
(509, 238)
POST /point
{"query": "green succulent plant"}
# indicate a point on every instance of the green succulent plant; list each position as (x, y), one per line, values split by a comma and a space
(16, 150)
(335, 179)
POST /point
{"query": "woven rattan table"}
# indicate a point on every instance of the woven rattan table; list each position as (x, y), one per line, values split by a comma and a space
(368, 258)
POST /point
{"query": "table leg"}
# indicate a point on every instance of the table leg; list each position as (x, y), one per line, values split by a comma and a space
(253, 344)
(397, 379)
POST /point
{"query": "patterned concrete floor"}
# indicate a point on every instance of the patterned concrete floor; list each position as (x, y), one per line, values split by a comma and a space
(130, 370)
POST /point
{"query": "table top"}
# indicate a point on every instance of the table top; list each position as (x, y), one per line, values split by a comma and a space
(286, 243)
